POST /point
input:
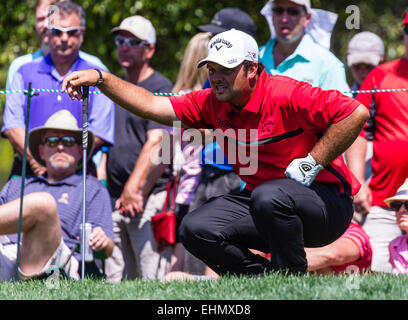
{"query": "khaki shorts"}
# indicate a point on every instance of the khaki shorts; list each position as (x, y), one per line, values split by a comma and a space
(8, 258)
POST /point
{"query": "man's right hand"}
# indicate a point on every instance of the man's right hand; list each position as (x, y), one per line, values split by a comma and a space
(362, 200)
(130, 203)
(37, 168)
(74, 81)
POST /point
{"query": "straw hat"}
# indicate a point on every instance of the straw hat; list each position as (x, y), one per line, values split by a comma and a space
(401, 195)
(61, 120)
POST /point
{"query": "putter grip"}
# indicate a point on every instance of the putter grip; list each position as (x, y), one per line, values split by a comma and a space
(85, 96)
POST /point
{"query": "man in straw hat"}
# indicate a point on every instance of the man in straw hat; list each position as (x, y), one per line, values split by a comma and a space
(398, 247)
(52, 207)
(296, 181)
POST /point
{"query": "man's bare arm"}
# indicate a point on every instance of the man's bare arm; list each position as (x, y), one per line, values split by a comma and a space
(131, 97)
(340, 136)
(339, 252)
(16, 137)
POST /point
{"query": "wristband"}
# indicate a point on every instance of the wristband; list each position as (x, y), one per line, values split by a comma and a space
(100, 80)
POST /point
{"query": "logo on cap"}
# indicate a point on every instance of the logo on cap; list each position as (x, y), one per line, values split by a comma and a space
(222, 41)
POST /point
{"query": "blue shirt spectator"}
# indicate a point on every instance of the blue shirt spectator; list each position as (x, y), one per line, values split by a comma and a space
(42, 73)
(309, 62)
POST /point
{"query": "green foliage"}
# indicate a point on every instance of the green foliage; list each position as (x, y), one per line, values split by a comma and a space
(175, 23)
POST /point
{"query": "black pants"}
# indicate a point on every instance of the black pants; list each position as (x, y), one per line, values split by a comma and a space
(281, 217)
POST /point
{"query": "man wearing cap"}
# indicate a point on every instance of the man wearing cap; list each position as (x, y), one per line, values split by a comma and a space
(298, 190)
(365, 51)
(398, 247)
(387, 130)
(299, 44)
(128, 161)
(65, 37)
(52, 207)
(218, 176)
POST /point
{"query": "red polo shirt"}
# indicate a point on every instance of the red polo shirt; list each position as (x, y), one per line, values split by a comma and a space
(286, 117)
(387, 128)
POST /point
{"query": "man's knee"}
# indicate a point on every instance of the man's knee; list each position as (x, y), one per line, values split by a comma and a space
(268, 197)
(42, 206)
(194, 230)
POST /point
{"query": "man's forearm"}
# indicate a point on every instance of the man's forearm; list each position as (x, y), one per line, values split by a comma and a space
(142, 176)
(131, 97)
(339, 136)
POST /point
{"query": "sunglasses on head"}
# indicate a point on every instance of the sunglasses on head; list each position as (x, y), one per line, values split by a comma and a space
(72, 31)
(52, 142)
(131, 42)
(396, 205)
(292, 11)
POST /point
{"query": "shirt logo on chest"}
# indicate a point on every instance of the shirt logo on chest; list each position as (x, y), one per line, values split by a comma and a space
(224, 123)
(267, 126)
(64, 198)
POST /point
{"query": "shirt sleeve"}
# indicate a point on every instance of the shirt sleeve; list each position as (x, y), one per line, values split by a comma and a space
(193, 108)
(356, 234)
(316, 109)
(102, 118)
(13, 116)
(335, 79)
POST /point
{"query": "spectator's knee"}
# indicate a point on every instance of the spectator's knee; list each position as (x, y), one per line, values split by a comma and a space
(42, 206)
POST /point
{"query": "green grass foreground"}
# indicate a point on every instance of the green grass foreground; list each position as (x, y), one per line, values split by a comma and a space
(270, 287)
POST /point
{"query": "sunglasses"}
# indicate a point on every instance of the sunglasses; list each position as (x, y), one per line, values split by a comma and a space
(406, 30)
(52, 142)
(131, 42)
(72, 31)
(292, 11)
(396, 205)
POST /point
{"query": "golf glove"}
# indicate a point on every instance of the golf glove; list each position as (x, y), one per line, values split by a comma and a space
(303, 170)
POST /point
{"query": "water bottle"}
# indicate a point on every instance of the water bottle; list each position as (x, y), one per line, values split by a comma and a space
(88, 250)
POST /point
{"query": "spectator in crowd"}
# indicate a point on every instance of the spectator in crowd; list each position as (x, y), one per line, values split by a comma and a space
(42, 12)
(136, 195)
(65, 39)
(365, 51)
(297, 183)
(387, 129)
(52, 210)
(398, 247)
(350, 253)
(187, 156)
(299, 44)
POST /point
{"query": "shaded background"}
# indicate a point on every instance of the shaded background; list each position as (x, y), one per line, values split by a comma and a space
(175, 23)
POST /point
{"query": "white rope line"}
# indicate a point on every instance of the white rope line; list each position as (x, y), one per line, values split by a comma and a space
(178, 94)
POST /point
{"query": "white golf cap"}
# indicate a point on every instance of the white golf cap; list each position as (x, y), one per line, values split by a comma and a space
(305, 3)
(140, 27)
(365, 47)
(230, 48)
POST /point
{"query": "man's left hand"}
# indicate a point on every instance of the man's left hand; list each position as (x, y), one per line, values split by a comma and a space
(303, 170)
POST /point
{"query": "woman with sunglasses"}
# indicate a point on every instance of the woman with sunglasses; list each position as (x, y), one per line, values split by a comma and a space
(398, 247)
